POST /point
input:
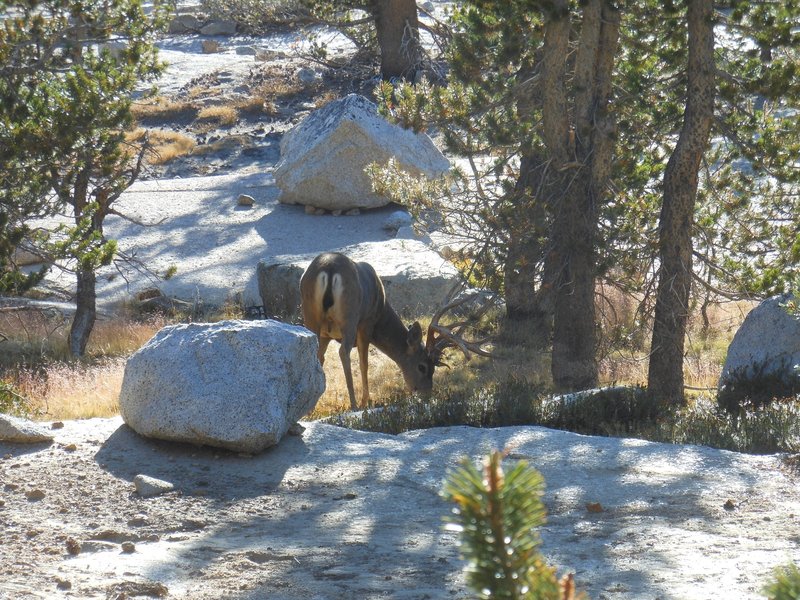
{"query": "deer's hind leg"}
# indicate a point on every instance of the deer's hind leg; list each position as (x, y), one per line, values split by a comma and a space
(344, 356)
(322, 347)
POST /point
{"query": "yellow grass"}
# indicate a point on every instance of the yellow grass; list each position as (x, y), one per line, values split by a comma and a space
(73, 391)
(165, 145)
(220, 115)
(162, 109)
(61, 389)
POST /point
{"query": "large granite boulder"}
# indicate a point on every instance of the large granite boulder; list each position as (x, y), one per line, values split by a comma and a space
(323, 158)
(238, 385)
(763, 359)
(417, 279)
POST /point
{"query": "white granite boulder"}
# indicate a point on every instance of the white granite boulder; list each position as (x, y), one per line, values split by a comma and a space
(417, 279)
(238, 385)
(764, 357)
(22, 431)
(323, 158)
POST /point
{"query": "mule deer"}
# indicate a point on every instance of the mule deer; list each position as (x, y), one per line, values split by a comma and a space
(345, 301)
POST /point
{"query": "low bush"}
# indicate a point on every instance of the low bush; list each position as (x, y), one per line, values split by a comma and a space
(612, 412)
(12, 402)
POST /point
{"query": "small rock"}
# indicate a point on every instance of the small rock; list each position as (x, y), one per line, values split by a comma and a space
(128, 547)
(34, 495)
(398, 219)
(219, 28)
(245, 200)
(73, 547)
(57, 425)
(594, 507)
(184, 24)
(245, 51)
(210, 46)
(296, 429)
(310, 210)
(70, 447)
(308, 76)
(729, 505)
(147, 486)
(63, 584)
(353, 212)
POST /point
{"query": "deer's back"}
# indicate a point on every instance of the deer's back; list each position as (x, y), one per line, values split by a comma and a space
(339, 295)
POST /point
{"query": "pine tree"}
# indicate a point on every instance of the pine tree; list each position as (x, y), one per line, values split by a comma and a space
(68, 72)
(498, 515)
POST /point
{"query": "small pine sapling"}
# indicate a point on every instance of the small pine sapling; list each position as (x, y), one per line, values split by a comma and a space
(498, 516)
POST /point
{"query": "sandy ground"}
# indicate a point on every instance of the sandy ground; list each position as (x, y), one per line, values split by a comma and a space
(336, 513)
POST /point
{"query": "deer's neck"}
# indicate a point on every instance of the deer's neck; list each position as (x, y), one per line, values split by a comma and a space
(390, 335)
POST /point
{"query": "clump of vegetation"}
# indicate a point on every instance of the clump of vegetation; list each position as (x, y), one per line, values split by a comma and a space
(12, 402)
(163, 146)
(498, 516)
(612, 412)
(758, 386)
(221, 116)
(785, 583)
(256, 16)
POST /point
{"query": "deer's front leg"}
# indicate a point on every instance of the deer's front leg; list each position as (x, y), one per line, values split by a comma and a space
(363, 364)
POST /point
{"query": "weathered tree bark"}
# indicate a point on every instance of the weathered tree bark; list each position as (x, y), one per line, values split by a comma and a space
(397, 27)
(86, 293)
(583, 157)
(85, 312)
(528, 233)
(665, 371)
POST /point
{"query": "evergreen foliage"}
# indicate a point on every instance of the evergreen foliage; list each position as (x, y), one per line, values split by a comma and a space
(68, 71)
(498, 515)
(785, 584)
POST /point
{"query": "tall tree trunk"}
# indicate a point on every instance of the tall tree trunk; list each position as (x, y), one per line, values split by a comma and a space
(86, 295)
(85, 312)
(528, 231)
(665, 372)
(586, 170)
(397, 27)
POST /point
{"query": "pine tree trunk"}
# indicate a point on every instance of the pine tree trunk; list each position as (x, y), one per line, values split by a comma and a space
(589, 149)
(524, 266)
(665, 372)
(85, 312)
(397, 26)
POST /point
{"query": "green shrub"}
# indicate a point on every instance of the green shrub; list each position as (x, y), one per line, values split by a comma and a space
(498, 515)
(785, 584)
(614, 411)
(12, 402)
(757, 387)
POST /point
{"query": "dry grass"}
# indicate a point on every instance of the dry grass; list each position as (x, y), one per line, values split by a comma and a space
(228, 142)
(61, 389)
(384, 381)
(73, 390)
(221, 116)
(162, 109)
(165, 145)
(57, 386)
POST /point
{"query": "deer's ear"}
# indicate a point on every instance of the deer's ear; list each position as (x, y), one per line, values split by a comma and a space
(414, 338)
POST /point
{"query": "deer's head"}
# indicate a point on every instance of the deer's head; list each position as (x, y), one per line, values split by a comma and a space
(417, 366)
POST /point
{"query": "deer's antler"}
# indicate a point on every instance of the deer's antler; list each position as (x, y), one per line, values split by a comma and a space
(441, 337)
